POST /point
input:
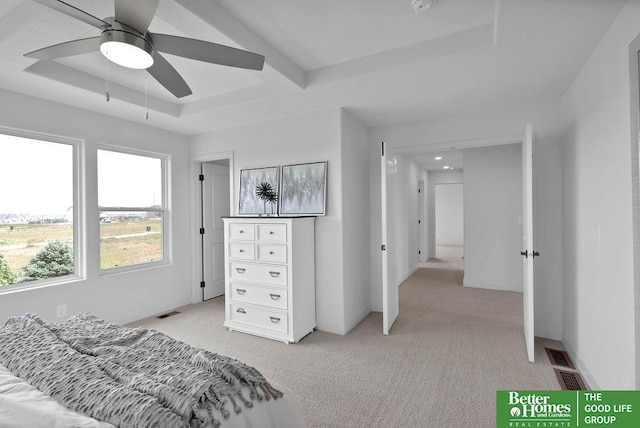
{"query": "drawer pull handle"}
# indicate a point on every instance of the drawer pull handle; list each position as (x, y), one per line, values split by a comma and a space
(274, 296)
(274, 274)
(240, 291)
(274, 320)
(271, 253)
(241, 311)
(242, 251)
(241, 231)
(271, 232)
(240, 270)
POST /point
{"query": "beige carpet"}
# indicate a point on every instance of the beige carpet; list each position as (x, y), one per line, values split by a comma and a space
(449, 351)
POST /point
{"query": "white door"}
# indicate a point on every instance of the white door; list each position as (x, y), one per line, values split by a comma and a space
(390, 307)
(528, 251)
(215, 199)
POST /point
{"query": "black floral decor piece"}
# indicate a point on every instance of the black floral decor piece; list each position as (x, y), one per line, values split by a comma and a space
(266, 192)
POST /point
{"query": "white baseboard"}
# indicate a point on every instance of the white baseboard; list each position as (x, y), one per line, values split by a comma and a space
(411, 272)
(330, 326)
(355, 320)
(584, 371)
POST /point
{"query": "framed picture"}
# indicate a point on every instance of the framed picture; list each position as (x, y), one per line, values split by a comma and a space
(253, 183)
(303, 189)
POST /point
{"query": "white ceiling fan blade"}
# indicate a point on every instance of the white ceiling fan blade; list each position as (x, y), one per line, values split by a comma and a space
(206, 51)
(136, 14)
(168, 77)
(74, 12)
(61, 50)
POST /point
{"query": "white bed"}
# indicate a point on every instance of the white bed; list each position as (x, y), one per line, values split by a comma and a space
(23, 405)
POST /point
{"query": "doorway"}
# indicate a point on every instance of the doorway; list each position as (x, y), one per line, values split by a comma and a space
(449, 221)
(490, 185)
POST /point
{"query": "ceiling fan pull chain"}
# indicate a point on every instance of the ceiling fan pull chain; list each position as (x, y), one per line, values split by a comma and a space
(146, 108)
(107, 73)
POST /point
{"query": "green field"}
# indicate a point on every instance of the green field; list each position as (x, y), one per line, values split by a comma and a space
(20, 242)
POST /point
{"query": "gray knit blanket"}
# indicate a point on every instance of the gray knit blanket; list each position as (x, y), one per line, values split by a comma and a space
(129, 377)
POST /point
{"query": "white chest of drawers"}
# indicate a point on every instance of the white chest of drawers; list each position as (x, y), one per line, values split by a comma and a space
(270, 276)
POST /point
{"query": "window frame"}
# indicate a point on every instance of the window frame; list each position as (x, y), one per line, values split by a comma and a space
(78, 179)
(164, 210)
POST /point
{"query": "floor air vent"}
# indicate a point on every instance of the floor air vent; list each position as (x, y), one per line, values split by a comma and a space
(559, 358)
(168, 314)
(571, 381)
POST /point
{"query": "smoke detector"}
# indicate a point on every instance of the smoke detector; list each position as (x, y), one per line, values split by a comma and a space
(421, 5)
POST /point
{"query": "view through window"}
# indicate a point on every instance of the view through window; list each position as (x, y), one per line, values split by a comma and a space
(36, 210)
(130, 199)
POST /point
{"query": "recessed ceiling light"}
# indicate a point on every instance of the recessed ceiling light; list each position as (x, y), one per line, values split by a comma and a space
(420, 5)
(438, 158)
(446, 167)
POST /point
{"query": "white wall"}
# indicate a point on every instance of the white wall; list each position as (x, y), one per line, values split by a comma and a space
(449, 210)
(355, 220)
(488, 125)
(492, 210)
(598, 273)
(120, 297)
(307, 138)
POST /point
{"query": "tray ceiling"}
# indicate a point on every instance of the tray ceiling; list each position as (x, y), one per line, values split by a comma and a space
(379, 59)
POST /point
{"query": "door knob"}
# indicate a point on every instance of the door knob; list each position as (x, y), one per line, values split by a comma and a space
(525, 253)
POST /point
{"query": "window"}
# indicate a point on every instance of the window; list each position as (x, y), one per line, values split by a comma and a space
(38, 206)
(131, 208)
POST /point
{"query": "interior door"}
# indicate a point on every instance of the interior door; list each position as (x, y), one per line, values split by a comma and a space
(215, 199)
(422, 247)
(528, 251)
(390, 306)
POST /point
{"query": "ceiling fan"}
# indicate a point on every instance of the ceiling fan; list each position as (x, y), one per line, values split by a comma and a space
(125, 40)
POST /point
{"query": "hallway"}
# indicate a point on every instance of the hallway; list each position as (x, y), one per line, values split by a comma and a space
(436, 290)
(472, 338)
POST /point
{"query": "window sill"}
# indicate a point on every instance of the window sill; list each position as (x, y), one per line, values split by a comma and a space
(133, 268)
(43, 283)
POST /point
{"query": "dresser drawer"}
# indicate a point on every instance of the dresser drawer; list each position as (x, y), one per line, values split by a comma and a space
(272, 253)
(263, 274)
(242, 231)
(241, 250)
(264, 296)
(263, 318)
(272, 232)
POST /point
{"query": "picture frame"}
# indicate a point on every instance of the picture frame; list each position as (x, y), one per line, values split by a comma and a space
(303, 189)
(249, 203)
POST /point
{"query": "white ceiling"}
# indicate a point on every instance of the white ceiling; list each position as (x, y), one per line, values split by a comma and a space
(451, 158)
(379, 59)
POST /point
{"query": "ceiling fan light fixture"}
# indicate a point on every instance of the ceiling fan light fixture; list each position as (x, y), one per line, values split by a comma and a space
(126, 49)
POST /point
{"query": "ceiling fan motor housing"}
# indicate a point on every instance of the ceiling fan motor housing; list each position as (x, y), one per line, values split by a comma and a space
(125, 46)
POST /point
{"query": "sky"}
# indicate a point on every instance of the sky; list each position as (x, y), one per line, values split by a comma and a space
(126, 180)
(36, 177)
